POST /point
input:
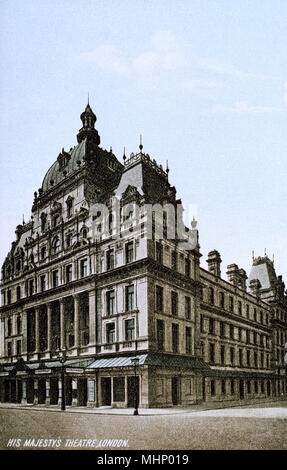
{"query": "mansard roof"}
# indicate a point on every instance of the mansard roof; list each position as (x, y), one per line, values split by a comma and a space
(264, 271)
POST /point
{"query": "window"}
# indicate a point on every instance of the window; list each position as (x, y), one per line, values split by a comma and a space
(241, 357)
(247, 337)
(188, 343)
(160, 334)
(248, 386)
(57, 246)
(247, 311)
(43, 222)
(239, 307)
(130, 329)
(159, 298)
(129, 252)
(222, 329)
(19, 325)
(261, 317)
(212, 388)
(231, 331)
(18, 347)
(43, 283)
(9, 348)
(221, 299)
(211, 295)
(69, 273)
(159, 252)
(187, 308)
(55, 220)
(69, 203)
(232, 356)
(69, 239)
(130, 297)
(255, 386)
(211, 326)
(201, 324)
(174, 303)
(31, 287)
(110, 302)
(110, 329)
(231, 304)
(211, 353)
(43, 252)
(232, 391)
(223, 387)
(262, 360)
(55, 278)
(18, 292)
(9, 327)
(255, 314)
(255, 359)
(84, 233)
(187, 267)
(222, 354)
(174, 260)
(84, 267)
(262, 386)
(110, 259)
(174, 338)
(239, 333)
(248, 357)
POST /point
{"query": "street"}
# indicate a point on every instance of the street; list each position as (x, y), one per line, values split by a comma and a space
(248, 428)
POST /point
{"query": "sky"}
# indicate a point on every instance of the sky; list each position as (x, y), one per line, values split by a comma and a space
(203, 81)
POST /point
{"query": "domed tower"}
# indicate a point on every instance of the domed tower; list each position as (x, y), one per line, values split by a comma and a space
(88, 130)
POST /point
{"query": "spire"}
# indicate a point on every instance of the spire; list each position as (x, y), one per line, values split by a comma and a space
(141, 144)
(88, 130)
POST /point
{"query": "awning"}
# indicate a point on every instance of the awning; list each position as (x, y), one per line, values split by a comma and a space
(151, 359)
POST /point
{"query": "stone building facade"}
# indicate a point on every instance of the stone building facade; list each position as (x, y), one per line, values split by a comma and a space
(95, 277)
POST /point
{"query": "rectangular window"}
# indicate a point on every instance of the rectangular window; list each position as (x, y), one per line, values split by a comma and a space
(110, 329)
(211, 353)
(174, 260)
(9, 327)
(221, 299)
(160, 334)
(69, 273)
(43, 283)
(187, 267)
(159, 299)
(84, 267)
(240, 357)
(174, 303)
(110, 259)
(239, 333)
(18, 347)
(222, 329)
(19, 325)
(201, 323)
(222, 354)
(211, 326)
(211, 295)
(55, 278)
(255, 314)
(9, 348)
(231, 331)
(130, 329)
(255, 359)
(247, 311)
(31, 287)
(247, 336)
(248, 357)
(129, 297)
(110, 302)
(232, 387)
(223, 387)
(187, 308)
(129, 252)
(232, 356)
(231, 304)
(188, 343)
(18, 292)
(248, 386)
(159, 252)
(239, 307)
(174, 338)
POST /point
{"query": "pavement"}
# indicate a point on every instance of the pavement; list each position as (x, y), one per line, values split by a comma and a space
(207, 409)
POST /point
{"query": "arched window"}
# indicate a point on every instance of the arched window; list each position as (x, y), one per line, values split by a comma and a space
(84, 233)
(43, 252)
(69, 239)
(57, 246)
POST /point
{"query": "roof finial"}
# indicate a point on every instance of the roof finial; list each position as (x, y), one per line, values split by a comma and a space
(23, 220)
(141, 144)
(88, 98)
(124, 155)
(252, 255)
(264, 251)
(167, 169)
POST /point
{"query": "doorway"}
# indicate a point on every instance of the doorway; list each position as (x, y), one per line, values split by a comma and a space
(54, 391)
(82, 392)
(41, 391)
(241, 389)
(106, 391)
(30, 390)
(133, 391)
(174, 390)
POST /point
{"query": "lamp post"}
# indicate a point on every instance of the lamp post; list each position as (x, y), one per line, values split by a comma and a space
(135, 361)
(62, 359)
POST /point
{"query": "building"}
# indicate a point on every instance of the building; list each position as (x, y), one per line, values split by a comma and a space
(105, 272)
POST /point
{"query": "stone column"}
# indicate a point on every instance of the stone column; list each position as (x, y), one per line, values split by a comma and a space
(37, 329)
(49, 327)
(62, 325)
(24, 332)
(74, 392)
(35, 391)
(47, 402)
(24, 392)
(77, 319)
(92, 317)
